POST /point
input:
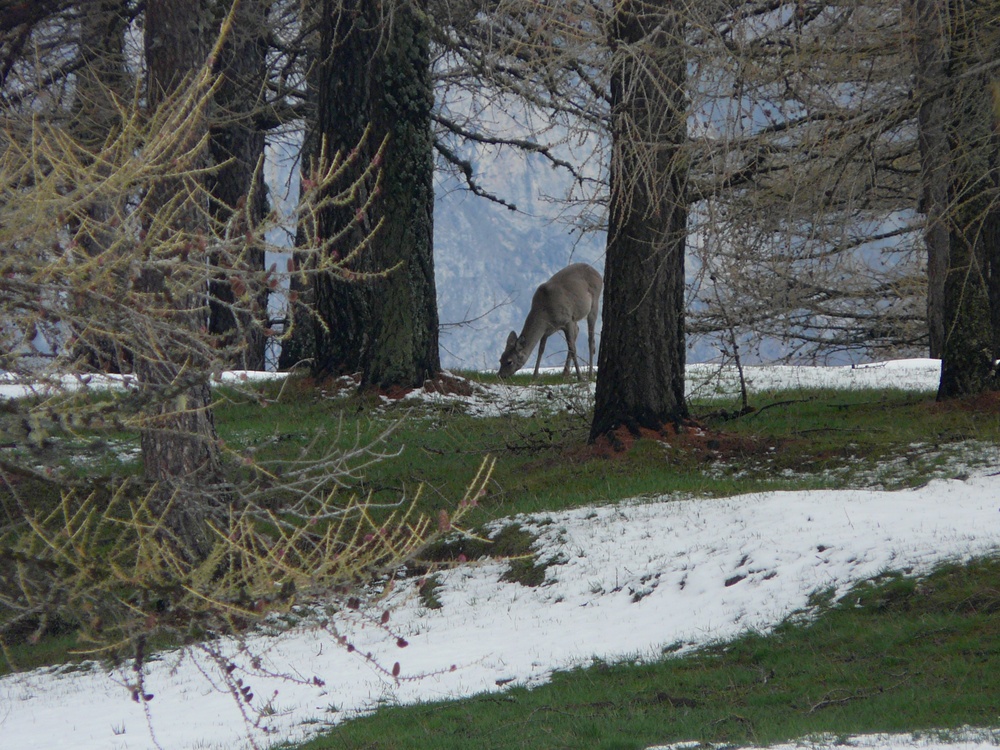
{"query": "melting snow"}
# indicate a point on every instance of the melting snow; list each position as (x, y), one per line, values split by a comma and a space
(630, 581)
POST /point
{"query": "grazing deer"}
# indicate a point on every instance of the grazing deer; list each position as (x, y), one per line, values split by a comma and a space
(570, 295)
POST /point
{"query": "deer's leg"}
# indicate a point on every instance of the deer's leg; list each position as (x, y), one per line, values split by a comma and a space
(571, 330)
(591, 322)
(541, 348)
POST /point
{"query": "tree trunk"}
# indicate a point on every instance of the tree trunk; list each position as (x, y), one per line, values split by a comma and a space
(969, 354)
(102, 85)
(179, 444)
(930, 68)
(238, 191)
(992, 251)
(376, 74)
(298, 347)
(640, 377)
(967, 359)
(403, 345)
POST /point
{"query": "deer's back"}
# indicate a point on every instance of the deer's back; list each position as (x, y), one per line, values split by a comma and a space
(570, 294)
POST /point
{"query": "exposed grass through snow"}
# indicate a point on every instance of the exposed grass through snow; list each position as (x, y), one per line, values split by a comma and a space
(895, 655)
(902, 654)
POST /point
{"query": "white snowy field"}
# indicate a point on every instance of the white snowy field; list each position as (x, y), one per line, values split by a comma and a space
(14, 387)
(630, 580)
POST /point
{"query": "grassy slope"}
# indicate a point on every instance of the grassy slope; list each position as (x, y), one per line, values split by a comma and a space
(898, 656)
(794, 440)
(913, 656)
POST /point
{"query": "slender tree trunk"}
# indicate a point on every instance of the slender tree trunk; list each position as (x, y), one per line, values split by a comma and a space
(375, 80)
(237, 188)
(640, 378)
(179, 444)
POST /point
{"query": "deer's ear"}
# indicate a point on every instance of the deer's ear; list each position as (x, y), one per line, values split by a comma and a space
(512, 339)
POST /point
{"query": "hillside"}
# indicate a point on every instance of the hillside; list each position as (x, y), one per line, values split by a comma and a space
(625, 581)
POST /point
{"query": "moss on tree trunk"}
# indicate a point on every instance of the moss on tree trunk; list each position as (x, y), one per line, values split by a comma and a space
(375, 79)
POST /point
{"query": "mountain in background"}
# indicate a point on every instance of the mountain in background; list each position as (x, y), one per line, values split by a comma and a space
(489, 260)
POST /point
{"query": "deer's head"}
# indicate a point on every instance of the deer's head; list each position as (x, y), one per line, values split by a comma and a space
(514, 355)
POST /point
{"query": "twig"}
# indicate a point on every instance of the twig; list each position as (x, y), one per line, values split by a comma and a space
(857, 695)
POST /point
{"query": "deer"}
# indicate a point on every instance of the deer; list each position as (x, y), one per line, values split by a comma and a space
(570, 295)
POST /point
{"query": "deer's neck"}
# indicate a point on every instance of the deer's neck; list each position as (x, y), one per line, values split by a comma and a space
(535, 326)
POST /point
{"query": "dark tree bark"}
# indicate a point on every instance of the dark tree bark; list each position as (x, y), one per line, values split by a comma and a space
(299, 346)
(180, 445)
(640, 377)
(102, 85)
(102, 81)
(237, 188)
(970, 340)
(930, 79)
(374, 85)
(967, 362)
(18, 20)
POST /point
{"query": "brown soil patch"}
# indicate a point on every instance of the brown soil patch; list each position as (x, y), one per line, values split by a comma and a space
(981, 403)
(442, 383)
(449, 385)
(395, 392)
(692, 438)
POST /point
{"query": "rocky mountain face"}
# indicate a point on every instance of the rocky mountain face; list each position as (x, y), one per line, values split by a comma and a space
(489, 260)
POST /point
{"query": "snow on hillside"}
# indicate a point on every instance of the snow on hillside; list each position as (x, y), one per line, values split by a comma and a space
(631, 580)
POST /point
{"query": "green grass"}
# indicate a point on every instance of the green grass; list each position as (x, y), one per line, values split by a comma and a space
(897, 655)
(793, 440)
(801, 439)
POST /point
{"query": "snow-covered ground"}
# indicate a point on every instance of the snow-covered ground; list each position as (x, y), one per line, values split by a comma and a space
(630, 580)
(13, 387)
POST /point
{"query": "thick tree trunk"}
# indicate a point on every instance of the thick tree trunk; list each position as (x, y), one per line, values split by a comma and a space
(992, 251)
(298, 347)
(403, 344)
(967, 358)
(640, 377)
(237, 188)
(969, 354)
(929, 18)
(102, 85)
(179, 442)
(375, 78)
(350, 36)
